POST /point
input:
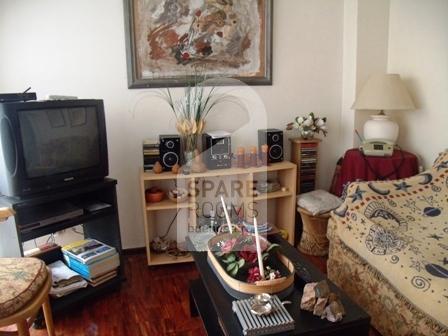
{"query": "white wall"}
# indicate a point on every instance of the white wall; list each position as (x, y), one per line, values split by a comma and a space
(365, 42)
(371, 50)
(77, 48)
(418, 50)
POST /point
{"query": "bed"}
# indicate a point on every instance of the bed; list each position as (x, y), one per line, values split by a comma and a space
(389, 251)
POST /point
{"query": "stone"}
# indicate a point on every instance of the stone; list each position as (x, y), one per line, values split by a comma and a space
(322, 289)
(319, 307)
(309, 297)
(338, 307)
(334, 312)
(332, 297)
(318, 299)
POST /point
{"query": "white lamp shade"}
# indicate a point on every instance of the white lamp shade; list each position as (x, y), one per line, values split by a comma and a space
(384, 92)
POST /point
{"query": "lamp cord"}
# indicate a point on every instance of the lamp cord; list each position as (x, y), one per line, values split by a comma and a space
(395, 170)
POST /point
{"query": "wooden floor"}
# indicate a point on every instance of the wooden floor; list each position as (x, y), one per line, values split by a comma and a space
(153, 301)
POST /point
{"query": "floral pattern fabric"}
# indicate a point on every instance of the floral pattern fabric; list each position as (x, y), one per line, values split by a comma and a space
(20, 280)
(399, 229)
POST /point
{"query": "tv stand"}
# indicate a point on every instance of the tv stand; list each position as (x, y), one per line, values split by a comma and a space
(99, 222)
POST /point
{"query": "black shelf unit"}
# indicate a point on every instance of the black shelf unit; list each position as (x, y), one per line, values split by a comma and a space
(102, 225)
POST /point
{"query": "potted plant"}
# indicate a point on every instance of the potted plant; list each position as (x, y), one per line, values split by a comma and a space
(309, 125)
(191, 110)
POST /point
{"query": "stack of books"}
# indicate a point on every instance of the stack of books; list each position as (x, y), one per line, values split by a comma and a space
(151, 153)
(93, 260)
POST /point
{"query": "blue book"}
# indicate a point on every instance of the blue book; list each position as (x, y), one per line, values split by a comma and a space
(95, 269)
(88, 251)
(80, 272)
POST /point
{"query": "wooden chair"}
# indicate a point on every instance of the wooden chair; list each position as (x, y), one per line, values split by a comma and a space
(24, 287)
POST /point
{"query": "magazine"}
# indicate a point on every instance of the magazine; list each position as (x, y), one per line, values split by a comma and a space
(88, 251)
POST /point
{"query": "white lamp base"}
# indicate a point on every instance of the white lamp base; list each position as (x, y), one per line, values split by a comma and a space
(381, 127)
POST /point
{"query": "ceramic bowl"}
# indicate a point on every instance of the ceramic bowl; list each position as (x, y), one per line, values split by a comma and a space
(154, 195)
(178, 195)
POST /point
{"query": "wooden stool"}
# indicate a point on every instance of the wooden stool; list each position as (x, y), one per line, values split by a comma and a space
(314, 239)
(24, 287)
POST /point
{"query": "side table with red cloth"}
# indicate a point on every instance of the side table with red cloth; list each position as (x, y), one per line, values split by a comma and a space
(356, 166)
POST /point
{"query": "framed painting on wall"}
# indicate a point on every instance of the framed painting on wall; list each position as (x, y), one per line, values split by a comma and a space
(168, 39)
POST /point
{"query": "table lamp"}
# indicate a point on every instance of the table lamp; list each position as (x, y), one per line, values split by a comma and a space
(383, 92)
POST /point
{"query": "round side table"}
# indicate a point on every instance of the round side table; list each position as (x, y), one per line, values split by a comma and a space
(314, 239)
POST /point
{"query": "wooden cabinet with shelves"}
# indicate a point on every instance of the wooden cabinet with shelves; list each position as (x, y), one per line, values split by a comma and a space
(304, 153)
(285, 200)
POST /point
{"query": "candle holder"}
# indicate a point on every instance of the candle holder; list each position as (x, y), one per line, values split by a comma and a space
(231, 257)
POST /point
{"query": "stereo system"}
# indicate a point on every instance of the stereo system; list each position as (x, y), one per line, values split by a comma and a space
(217, 149)
(274, 139)
(169, 149)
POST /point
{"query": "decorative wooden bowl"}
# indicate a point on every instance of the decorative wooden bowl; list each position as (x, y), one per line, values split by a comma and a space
(240, 289)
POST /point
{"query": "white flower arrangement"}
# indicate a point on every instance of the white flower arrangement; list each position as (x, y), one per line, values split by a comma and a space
(309, 125)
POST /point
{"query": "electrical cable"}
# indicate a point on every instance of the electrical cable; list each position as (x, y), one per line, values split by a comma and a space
(171, 224)
(395, 170)
(51, 237)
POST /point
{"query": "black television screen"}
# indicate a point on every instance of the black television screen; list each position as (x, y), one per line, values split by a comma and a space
(59, 140)
(46, 145)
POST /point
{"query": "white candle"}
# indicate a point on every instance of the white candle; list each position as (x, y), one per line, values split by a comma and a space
(227, 214)
(257, 243)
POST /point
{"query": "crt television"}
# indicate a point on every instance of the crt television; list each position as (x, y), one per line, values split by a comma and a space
(47, 145)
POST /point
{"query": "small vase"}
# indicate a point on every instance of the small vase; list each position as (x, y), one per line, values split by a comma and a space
(308, 134)
(189, 146)
(187, 162)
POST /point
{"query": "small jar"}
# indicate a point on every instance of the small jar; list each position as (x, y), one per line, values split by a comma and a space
(264, 154)
(247, 160)
(253, 156)
(240, 157)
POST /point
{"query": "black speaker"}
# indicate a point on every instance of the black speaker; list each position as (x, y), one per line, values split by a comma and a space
(274, 139)
(169, 150)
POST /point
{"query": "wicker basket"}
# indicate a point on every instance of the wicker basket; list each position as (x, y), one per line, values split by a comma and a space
(314, 236)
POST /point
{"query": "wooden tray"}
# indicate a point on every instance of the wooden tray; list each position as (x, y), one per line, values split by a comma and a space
(241, 289)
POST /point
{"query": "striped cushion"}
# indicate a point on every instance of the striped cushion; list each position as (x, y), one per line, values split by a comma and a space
(20, 280)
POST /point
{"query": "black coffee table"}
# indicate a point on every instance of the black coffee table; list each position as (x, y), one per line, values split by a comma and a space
(210, 300)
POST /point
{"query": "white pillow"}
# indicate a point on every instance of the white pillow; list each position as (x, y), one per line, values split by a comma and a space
(318, 201)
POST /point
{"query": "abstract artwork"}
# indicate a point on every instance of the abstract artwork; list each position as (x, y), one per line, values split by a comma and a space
(167, 40)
